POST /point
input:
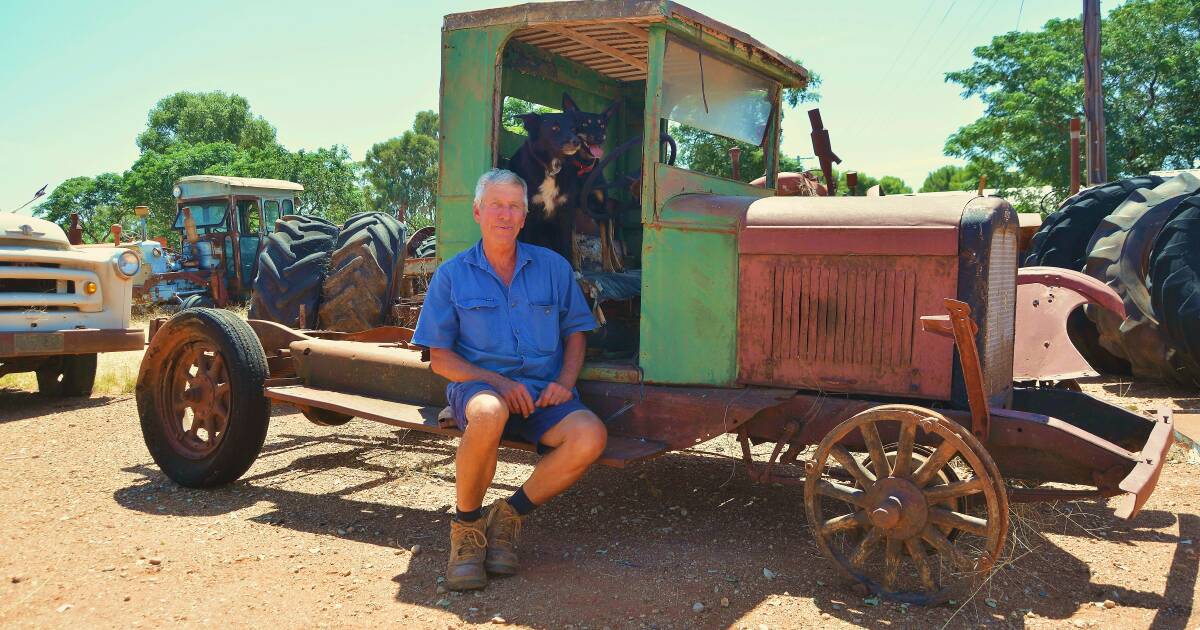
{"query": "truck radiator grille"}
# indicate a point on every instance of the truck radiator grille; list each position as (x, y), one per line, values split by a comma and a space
(847, 316)
(998, 332)
(844, 323)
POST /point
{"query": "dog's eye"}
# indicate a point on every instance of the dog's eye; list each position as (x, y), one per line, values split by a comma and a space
(554, 128)
(601, 125)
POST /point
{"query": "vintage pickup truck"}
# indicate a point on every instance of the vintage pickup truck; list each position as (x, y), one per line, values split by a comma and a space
(60, 305)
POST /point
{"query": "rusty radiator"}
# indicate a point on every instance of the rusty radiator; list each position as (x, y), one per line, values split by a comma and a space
(837, 308)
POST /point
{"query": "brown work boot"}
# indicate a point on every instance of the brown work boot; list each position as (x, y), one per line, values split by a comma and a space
(468, 541)
(503, 531)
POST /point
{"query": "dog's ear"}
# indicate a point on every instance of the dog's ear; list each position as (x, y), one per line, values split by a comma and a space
(612, 108)
(533, 124)
(569, 105)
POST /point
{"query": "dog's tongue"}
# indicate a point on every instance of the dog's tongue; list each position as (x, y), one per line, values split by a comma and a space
(596, 151)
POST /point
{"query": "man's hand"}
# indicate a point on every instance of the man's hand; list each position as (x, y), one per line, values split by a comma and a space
(516, 396)
(554, 394)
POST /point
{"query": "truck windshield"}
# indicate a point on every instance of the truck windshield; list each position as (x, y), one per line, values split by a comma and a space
(706, 92)
(205, 214)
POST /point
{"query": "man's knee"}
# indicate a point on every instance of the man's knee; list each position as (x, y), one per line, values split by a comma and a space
(588, 436)
(487, 414)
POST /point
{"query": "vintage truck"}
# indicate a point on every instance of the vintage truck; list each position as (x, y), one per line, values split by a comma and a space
(60, 305)
(869, 339)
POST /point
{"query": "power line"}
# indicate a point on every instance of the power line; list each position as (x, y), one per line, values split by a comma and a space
(972, 20)
(932, 35)
(1019, 12)
(904, 48)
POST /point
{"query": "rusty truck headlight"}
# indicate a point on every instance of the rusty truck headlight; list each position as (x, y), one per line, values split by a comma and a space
(127, 264)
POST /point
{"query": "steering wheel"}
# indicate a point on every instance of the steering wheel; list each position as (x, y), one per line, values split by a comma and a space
(622, 181)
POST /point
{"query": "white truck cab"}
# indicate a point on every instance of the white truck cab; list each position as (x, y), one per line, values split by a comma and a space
(60, 304)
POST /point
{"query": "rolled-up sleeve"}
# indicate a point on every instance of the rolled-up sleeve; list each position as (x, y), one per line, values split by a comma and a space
(573, 313)
(437, 327)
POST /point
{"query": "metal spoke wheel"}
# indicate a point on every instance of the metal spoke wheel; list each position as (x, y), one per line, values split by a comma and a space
(200, 397)
(198, 383)
(912, 524)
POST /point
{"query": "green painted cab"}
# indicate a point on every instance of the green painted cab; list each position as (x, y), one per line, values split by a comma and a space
(667, 68)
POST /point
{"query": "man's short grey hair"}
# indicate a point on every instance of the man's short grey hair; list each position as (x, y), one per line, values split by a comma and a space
(499, 176)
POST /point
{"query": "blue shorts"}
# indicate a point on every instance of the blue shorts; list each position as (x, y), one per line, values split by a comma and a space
(529, 429)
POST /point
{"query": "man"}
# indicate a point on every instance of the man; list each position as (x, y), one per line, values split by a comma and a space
(504, 321)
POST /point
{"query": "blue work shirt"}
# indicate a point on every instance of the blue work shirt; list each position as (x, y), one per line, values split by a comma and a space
(516, 331)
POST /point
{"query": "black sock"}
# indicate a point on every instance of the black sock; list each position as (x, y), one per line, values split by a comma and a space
(520, 502)
(468, 517)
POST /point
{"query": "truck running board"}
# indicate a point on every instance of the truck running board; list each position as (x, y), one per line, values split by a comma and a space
(619, 452)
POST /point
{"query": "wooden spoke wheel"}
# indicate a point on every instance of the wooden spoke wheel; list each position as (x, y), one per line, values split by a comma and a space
(913, 525)
(200, 397)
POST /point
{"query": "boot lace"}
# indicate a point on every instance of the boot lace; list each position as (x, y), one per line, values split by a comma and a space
(509, 529)
(472, 541)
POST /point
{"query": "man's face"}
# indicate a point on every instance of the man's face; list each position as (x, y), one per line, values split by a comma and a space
(500, 213)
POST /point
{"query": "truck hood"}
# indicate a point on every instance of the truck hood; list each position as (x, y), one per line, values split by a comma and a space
(26, 231)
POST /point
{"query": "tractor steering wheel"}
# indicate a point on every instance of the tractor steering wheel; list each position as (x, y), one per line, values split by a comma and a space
(622, 181)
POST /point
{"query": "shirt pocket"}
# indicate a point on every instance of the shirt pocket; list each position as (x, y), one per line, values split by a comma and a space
(543, 325)
(479, 323)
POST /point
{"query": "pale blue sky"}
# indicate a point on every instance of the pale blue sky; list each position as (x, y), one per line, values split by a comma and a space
(78, 78)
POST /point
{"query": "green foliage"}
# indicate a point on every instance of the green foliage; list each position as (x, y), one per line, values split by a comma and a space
(513, 107)
(1032, 84)
(709, 153)
(202, 118)
(150, 180)
(402, 173)
(951, 177)
(328, 175)
(891, 185)
(96, 199)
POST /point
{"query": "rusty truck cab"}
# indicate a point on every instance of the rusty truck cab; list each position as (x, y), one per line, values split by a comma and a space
(668, 297)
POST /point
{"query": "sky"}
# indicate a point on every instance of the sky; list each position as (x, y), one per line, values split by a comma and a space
(78, 78)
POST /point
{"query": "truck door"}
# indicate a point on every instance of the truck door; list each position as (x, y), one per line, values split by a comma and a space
(250, 232)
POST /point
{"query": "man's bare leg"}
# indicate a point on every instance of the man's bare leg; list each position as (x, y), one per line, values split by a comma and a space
(475, 463)
(578, 440)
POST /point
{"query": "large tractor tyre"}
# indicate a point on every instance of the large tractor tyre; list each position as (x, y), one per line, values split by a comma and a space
(200, 397)
(1063, 238)
(364, 274)
(291, 268)
(427, 248)
(1175, 285)
(1084, 336)
(1118, 255)
(71, 375)
(199, 300)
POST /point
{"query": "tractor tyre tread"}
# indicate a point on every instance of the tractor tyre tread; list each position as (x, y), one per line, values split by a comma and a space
(363, 275)
(1063, 238)
(291, 268)
(1175, 285)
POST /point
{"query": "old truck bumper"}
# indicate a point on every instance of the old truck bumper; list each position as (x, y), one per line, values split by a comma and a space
(75, 341)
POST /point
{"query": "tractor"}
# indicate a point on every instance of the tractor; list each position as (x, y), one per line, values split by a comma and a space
(223, 224)
(869, 339)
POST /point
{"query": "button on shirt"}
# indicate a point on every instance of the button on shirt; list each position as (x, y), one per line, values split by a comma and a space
(516, 331)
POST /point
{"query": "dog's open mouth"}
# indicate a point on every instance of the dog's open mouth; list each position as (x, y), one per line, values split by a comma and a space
(597, 152)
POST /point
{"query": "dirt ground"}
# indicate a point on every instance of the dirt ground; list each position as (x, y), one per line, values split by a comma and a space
(348, 527)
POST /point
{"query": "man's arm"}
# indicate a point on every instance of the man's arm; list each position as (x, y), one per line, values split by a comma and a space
(448, 364)
(559, 391)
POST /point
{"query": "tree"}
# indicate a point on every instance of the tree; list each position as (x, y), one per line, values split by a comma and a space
(151, 178)
(1032, 84)
(402, 173)
(891, 185)
(951, 177)
(96, 200)
(204, 117)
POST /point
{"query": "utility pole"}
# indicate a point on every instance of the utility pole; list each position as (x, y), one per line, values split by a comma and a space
(1093, 90)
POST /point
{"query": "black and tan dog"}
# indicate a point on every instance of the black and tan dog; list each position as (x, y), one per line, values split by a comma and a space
(540, 162)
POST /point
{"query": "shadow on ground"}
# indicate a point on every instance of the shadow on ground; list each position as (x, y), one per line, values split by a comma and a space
(641, 545)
